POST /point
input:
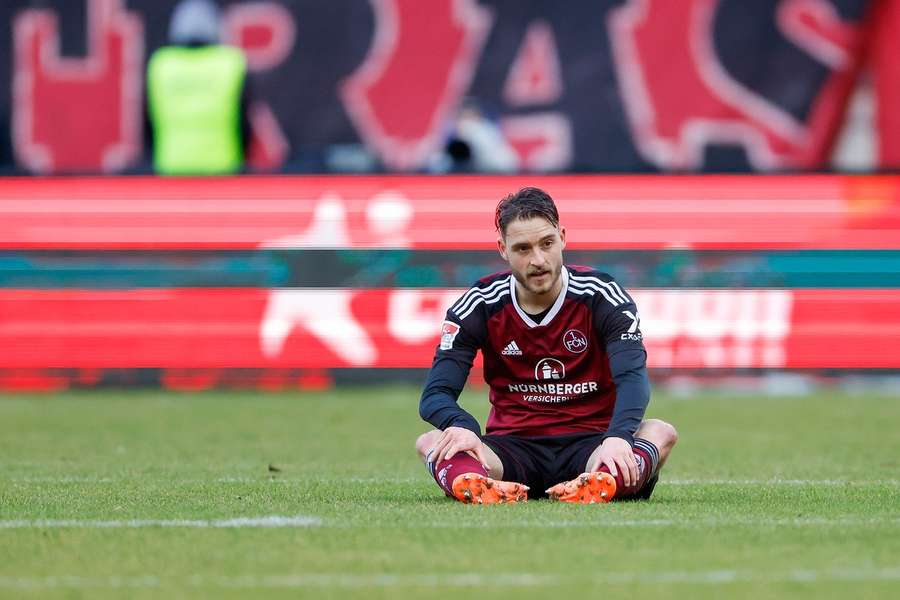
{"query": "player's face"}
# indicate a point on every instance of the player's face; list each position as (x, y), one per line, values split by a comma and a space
(533, 248)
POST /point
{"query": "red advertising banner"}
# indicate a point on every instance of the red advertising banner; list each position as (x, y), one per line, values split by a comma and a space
(303, 328)
(600, 212)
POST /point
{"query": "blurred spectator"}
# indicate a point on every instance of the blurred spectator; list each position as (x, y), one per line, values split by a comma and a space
(197, 96)
(476, 144)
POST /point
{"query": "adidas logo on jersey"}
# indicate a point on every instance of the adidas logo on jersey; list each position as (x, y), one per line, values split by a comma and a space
(512, 349)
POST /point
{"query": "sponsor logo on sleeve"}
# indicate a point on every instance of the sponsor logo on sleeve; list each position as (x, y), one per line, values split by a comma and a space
(633, 332)
(449, 329)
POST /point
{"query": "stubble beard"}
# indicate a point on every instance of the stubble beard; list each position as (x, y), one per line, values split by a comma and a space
(541, 290)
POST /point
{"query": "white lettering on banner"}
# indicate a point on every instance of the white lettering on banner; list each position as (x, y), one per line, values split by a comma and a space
(414, 314)
(325, 314)
(715, 328)
(682, 328)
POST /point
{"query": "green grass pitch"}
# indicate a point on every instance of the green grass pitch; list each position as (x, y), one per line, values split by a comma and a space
(156, 494)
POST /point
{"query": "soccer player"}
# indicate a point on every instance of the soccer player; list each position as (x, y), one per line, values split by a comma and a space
(566, 366)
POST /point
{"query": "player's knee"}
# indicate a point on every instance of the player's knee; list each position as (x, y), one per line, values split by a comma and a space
(426, 441)
(668, 433)
(661, 433)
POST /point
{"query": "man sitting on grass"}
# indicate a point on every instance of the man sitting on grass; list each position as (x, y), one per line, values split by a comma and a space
(565, 362)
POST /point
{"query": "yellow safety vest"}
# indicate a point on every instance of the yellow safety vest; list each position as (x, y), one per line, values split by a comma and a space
(194, 98)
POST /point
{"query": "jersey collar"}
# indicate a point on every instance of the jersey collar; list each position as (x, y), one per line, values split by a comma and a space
(564, 288)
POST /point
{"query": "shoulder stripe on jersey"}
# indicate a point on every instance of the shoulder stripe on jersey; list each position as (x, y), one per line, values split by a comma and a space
(462, 303)
(485, 294)
(489, 300)
(620, 290)
(590, 291)
(611, 297)
(484, 298)
(471, 292)
(611, 286)
(608, 293)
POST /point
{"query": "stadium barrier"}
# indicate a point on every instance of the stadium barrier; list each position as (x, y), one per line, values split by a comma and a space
(83, 330)
(455, 213)
(314, 329)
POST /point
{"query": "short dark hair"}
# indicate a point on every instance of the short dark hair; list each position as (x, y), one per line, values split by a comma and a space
(527, 203)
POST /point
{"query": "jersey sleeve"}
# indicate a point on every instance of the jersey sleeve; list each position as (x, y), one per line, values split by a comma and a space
(618, 325)
(453, 358)
(618, 320)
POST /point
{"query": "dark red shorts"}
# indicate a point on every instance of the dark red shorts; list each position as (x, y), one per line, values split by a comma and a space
(541, 462)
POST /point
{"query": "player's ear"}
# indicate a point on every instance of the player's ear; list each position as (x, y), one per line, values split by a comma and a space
(562, 236)
(501, 247)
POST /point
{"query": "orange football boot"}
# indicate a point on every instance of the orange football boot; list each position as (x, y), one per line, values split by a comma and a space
(474, 488)
(587, 488)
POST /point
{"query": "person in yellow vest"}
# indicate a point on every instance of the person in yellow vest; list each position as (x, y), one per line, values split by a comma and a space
(197, 97)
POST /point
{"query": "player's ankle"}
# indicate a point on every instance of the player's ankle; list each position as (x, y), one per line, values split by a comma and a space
(447, 471)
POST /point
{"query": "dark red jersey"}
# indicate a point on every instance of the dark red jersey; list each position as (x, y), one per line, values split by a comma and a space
(546, 378)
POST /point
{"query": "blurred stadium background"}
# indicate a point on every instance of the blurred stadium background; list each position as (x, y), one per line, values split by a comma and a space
(730, 162)
(342, 263)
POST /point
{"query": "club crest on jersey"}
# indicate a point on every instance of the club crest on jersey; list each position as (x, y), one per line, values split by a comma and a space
(449, 329)
(549, 369)
(575, 341)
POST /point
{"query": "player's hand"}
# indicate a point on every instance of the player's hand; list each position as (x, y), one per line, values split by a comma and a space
(458, 439)
(618, 456)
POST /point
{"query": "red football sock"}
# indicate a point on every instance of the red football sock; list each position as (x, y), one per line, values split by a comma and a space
(620, 484)
(446, 471)
(645, 466)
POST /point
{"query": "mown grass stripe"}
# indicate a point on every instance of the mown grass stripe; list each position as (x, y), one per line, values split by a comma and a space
(454, 580)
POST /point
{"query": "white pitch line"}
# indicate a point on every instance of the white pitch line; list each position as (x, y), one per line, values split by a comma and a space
(406, 480)
(78, 582)
(455, 580)
(275, 521)
(198, 481)
(270, 521)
